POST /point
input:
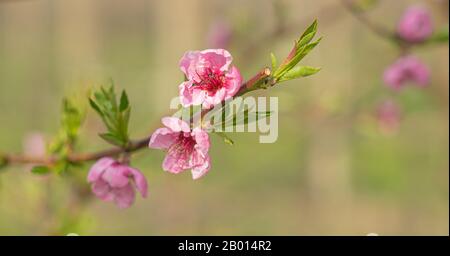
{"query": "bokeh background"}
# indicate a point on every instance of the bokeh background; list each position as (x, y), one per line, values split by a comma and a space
(333, 171)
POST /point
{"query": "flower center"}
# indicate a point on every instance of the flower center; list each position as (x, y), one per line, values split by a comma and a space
(210, 81)
(183, 147)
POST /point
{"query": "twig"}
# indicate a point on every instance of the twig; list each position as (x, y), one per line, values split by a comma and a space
(374, 27)
(136, 145)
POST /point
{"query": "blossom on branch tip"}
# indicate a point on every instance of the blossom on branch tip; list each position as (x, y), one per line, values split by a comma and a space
(186, 148)
(113, 181)
(416, 25)
(210, 78)
(406, 69)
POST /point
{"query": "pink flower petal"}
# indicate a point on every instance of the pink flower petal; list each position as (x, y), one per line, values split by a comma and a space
(188, 64)
(190, 95)
(140, 181)
(176, 124)
(172, 163)
(117, 175)
(162, 138)
(201, 170)
(202, 140)
(124, 197)
(218, 58)
(102, 190)
(98, 168)
(233, 82)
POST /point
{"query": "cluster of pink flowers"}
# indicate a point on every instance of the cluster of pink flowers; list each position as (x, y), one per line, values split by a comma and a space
(210, 79)
(414, 27)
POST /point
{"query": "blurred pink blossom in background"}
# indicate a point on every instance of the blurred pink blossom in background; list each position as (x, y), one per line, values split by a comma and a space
(416, 25)
(113, 181)
(186, 148)
(388, 117)
(404, 70)
(219, 35)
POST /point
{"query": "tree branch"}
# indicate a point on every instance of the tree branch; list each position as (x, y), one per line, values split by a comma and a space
(133, 146)
(375, 28)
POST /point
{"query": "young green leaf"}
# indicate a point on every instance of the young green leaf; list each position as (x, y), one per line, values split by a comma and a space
(225, 138)
(40, 170)
(124, 103)
(112, 139)
(297, 72)
(306, 39)
(273, 61)
(311, 29)
(95, 107)
(115, 115)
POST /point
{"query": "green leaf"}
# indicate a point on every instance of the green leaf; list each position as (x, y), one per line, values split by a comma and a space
(126, 116)
(40, 170)
(95, 107)
(306, 39)
(115, 116)
(225, 138)
(312, 29)
(124, 103)
(72, 117)
(112, 139)
(61, 167)
(301, 54)
(440, 36)
(300, 71)
(273, 61)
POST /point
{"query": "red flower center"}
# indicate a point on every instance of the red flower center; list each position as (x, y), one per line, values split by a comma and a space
(211, 81)
(184, 145)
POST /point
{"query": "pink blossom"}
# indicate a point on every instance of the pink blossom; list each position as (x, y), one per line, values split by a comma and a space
(219, 34)
(186, 148)
(406, 69)
(210, 78)
(416, 25)
(388, 116)
(113, 181)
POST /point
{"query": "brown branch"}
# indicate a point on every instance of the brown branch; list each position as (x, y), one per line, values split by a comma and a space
(132, 147)
(374, 27)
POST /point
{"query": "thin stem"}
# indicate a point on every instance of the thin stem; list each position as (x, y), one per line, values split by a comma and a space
(374, 27)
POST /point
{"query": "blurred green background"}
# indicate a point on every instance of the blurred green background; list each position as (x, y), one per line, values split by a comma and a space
(331, 172)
